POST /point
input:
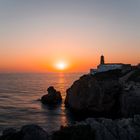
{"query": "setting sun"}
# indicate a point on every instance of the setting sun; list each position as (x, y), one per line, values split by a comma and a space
(61, 65)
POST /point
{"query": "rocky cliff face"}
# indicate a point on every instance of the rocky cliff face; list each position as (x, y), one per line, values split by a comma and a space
(130, 99)
(105, 95)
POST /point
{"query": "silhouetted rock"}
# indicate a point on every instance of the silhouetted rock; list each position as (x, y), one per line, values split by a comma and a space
(123, 129)
(90, 129)
(135, 76)
(9, 134)
(33, 132)
(130, 100)
(53, 96)
(101, 129)
(95, 95)
(28, 132)
(77, 132)
(9, 131)
(106, 94)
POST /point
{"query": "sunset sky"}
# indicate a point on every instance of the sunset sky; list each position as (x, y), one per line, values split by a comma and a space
(47, 35)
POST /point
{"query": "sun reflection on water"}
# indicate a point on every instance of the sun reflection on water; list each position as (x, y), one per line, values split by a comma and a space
(22, 91)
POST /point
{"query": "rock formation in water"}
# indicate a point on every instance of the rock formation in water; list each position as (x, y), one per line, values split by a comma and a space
(107, 94)
(90, 129)
(53, 97)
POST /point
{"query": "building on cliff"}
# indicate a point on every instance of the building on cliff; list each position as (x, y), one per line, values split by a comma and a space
(103, 67)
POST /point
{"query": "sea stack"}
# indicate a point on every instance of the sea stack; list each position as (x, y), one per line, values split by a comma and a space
(52, 97)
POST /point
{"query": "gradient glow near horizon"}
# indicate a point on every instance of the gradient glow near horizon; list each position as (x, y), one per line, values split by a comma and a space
(37, 34)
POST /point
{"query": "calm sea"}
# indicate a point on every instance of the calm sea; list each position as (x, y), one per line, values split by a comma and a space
(19, 105)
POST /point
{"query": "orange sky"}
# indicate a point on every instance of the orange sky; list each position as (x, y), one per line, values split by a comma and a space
(35, 36)
(37, 57)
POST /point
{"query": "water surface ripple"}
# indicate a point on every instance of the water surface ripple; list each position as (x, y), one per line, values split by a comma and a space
(19, 105)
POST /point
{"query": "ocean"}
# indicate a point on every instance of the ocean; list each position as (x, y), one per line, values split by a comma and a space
(19, 104)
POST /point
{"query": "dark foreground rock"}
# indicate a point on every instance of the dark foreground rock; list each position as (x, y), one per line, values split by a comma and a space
(108, 94)
(53, 97)
(124, 129)
(28, 132)
(76, 132)
(101, 129)
(90, 129)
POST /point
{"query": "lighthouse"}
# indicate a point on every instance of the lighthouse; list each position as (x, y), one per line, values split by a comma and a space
(103, 67)
(102, 61)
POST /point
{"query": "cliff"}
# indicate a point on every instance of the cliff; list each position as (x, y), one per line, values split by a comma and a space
(107, 94)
